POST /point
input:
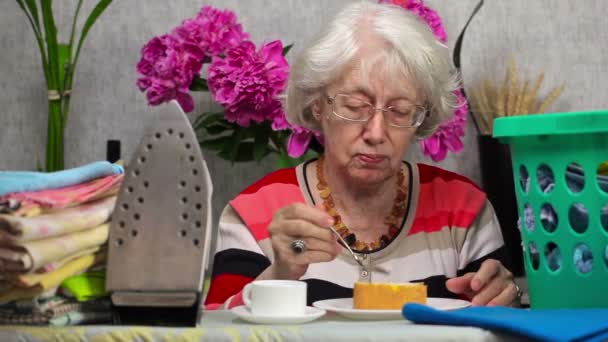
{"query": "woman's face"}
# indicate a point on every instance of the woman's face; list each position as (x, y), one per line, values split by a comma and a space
(366, 152)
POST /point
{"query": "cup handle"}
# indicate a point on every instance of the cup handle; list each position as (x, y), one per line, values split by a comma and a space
(246, 295)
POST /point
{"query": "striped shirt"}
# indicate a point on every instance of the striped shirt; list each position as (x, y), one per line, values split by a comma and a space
(449, 229)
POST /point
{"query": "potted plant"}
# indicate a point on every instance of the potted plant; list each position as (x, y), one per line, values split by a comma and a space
(59, 61)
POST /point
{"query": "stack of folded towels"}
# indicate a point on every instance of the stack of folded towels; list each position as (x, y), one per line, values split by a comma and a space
(53, 234)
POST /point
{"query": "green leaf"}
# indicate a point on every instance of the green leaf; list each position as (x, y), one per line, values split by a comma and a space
(216, 144)
(199, 120)
(36, 28)
(73, 31)
(286, 49)
(244, 153)
(39, 167)
(308, 155)
(31, 5)
(199, 84)
(260, 152)
(63, 58)
(50, 34)
(246, 133)
(231, 149)
(207, 119)
(284, 160)
(95, 13)
(64, 52)
(260, 148)
(54, 145)
(217, 129)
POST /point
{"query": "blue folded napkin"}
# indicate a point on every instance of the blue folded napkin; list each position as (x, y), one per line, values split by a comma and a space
(23, 181)
(544, 325)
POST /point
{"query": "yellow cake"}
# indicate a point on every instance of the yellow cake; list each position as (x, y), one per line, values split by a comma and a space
(379, 296)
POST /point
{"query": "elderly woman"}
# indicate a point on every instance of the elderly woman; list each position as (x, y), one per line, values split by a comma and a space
(371, 83)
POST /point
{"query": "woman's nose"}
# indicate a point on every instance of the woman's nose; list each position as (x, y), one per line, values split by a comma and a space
(375, 128)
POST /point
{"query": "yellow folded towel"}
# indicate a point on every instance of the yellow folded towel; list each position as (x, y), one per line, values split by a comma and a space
(32, 285)
(31, 255)
(61, 222)
(57, 264)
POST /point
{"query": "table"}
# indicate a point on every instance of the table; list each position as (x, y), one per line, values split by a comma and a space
(222, 325)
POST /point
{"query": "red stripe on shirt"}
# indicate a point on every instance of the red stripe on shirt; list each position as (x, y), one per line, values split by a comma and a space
(224, 286)
(441, 195)
(445, 199)
(286, 176)
(237, 300)
(428, 173)
(441, 220)
(257, 209)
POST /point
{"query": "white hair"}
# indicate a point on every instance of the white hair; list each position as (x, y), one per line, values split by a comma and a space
(409, 48)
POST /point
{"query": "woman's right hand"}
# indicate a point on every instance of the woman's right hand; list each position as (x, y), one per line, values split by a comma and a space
(301, 222)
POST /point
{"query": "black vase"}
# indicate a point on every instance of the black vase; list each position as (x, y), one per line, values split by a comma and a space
(497, 182)
(113, 151)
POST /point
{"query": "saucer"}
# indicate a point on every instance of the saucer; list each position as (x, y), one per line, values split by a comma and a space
(309, 315)
(344, 308)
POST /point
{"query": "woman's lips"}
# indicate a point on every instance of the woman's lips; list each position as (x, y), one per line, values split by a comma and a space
(371, 158)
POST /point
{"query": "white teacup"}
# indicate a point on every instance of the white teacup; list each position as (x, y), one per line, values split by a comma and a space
(275, 297)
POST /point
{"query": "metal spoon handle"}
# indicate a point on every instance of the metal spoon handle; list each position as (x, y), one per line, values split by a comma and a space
(355, 256)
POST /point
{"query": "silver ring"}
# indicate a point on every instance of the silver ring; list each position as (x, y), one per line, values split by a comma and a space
(298, 246)
(520, 293)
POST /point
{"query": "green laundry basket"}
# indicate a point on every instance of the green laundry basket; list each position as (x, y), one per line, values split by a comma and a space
(560, 168)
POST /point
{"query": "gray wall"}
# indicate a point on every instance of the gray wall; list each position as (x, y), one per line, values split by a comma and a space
(564, 39)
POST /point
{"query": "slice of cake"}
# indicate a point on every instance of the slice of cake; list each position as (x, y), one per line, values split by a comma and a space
(386, 296)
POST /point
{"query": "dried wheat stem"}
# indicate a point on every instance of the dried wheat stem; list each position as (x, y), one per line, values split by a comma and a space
(490, 91)
(520, 99)
(476, 99)
(479, 110)
(531, 97)
(488, 101)
(512, 90)
(501, 99)
(474, 105)
(514, 96)
(554, 94)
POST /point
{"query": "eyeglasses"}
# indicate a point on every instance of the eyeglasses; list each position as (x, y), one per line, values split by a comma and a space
(353, 109)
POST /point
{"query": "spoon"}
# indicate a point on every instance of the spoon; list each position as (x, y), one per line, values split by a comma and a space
(355, 256)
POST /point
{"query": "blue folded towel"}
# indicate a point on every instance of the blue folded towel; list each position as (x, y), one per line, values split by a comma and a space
(22, 181)
(544, 325)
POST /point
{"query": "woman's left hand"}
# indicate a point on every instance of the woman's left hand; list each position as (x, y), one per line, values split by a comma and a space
(492, 284)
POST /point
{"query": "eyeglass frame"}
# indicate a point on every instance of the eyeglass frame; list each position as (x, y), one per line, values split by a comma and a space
(331, 100)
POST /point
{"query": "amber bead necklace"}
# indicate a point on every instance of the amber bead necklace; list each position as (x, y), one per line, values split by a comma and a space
(392, 219)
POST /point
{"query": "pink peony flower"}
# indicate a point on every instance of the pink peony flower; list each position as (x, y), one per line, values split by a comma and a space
(213, 31)
(425, 13)
(299, 139)
(246, 82)
(168, 69)
(278, 119)
(448, 136)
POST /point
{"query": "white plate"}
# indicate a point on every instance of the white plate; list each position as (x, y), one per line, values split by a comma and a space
(344, 307)
(310, 315)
